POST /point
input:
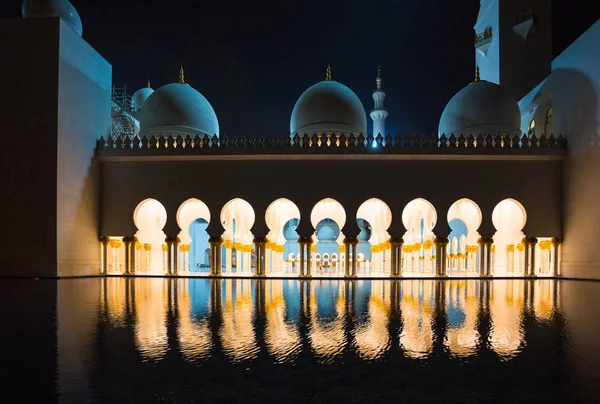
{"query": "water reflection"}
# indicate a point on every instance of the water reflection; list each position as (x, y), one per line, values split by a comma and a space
(328, 317)
(512, 332)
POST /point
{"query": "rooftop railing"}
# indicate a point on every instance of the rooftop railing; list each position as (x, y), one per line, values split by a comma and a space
(177, 143)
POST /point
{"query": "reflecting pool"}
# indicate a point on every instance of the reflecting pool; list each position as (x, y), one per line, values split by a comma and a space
(310, 341)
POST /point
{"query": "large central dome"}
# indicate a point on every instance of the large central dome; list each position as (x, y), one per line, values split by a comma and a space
(178, 108)
(328, 106)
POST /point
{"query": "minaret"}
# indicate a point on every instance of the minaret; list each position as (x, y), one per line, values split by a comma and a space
(379, 114)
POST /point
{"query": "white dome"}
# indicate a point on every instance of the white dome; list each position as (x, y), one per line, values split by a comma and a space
(481, 107)
(328, 106)
(138, 99)
(178, 108)
(53, 8)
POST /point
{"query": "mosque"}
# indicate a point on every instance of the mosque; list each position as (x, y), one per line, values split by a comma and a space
(100, 182)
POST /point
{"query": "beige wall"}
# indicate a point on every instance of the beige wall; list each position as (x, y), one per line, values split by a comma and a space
(85, 80)
(575, 90)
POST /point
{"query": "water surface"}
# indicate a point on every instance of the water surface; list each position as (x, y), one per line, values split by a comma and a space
(320, 341)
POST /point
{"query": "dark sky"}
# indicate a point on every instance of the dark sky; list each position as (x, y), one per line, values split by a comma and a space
(252, 60)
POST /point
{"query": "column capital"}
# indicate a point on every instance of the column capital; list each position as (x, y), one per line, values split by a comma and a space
(396, 241)
(260, 241)
(215, 240)
(556, 241)
(533, 240)
(228, 244)
(441, 241)
(104, 240)
(128, 240)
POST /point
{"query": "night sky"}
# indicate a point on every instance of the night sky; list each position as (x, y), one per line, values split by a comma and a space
(252, 60)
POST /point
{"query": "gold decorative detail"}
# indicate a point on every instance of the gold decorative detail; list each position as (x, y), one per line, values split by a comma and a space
(342, 248)
(239, 246)
(427, 244)
(149, 84)
(228, 244)
(472, 248)
(510, 248)
(115, 243)
(313, 248)
(181, 76)
(379, 79)
(328, 73)
(520, 246)
(477, 75)
(147, 247)
(165, 247)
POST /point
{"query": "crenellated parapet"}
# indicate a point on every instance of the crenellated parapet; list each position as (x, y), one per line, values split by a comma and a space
(176, 143)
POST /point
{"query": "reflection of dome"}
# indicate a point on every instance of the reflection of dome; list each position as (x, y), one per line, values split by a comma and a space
(328, 106)
(327, 230)
(138, 99)
(178, 108)
(481, 107)
(53, 8)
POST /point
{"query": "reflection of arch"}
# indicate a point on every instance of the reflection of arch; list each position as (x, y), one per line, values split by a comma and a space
(150, 217)
(509, 218)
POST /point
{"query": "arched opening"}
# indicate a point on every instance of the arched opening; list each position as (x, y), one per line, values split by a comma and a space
(150, 217)
(326, 235)
(193, 217)
(237, 218)
(419, 218)
(327, 217)
(374, 218)
(282, 218)
(464, 218)
(509, 218)
(548, 123)
(531, 128)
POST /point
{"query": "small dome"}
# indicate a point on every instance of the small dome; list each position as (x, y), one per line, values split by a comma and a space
(178, 108)
(481, 107)
(328, 106)
(53, 8)
(327, 230)
(138, 99)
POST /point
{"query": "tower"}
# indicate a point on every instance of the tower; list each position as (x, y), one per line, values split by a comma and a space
(513, 43)
(379, 114)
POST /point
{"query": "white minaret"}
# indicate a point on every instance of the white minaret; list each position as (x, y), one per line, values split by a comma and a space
(379, 114)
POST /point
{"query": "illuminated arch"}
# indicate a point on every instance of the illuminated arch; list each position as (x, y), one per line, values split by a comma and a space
(379, 215)
(237, 218)
(419, 218)
(277, 215)
(509, 218)
(188, 212)
(328, 208)
(150, 218)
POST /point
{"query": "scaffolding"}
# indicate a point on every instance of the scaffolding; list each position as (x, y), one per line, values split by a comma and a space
(123, 121)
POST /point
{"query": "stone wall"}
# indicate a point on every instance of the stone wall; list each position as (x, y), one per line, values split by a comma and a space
(535, 181)
(28, 112)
